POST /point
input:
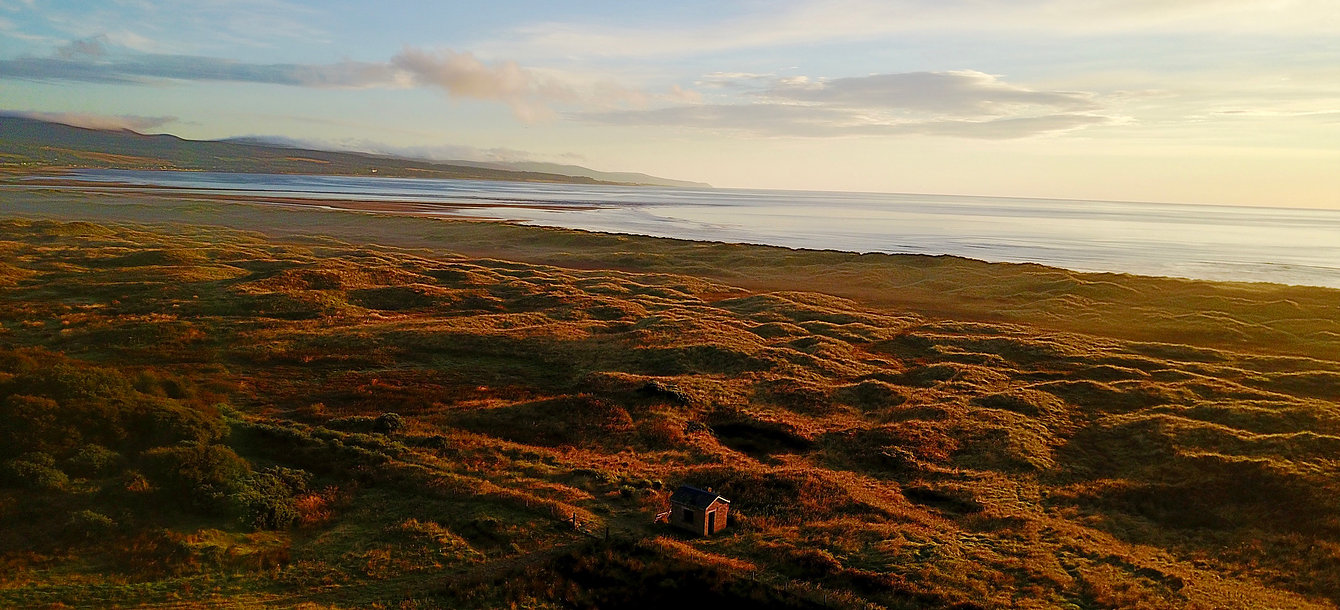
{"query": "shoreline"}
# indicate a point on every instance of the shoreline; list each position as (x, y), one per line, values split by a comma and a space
(694, 222)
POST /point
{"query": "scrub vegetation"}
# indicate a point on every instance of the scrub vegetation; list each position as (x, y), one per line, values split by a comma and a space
(395, 412)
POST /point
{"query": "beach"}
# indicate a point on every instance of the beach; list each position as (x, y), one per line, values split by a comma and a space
(1222, 243)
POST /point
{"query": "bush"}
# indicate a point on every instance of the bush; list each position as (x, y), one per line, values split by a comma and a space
(202, 474)
(266, 503)
(33, 471)
(92, 461)
(156, 421)
(90, 525)
(34, 423)
(388, 423)
(57, 405)
(268, 499)
(63, 381)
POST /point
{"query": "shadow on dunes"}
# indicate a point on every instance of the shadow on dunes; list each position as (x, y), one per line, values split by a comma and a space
(760, 439)
(573, 420)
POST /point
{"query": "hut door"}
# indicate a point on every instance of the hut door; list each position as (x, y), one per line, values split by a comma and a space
(711, 522)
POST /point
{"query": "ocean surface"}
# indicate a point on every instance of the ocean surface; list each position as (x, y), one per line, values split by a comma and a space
(1283, 245)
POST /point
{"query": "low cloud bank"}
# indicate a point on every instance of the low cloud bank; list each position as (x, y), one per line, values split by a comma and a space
(963, 103)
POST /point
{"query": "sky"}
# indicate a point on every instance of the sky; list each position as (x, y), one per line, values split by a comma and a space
(1190, 101)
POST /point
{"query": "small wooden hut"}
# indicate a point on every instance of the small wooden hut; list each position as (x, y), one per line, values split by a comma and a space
(700, 511)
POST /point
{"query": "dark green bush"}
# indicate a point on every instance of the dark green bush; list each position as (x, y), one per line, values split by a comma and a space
(388, 423)
(267, 499)
(353, 423)
(56, 405)
(154, 421)
(265, 503)
(65, 380)
(201, 474)
(34, 423)
(92, 461)
(33, 471)
(90, 525)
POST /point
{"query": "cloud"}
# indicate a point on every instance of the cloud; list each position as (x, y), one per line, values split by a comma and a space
(732, 80)
(464, 75)
(76, 64)
(964, 92)
(967, 104)
(528, 92)
(84, 48)
(771, 119)
(96, 121)
(963, 103)
(799, 22)
(197, 27)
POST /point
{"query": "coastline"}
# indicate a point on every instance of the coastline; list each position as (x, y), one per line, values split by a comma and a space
(1220, 243)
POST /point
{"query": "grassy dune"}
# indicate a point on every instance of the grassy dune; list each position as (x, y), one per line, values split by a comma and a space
(894, 431)
(1263, 318)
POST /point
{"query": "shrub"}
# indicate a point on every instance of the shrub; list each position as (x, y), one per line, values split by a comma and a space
(388, 423)
(266, 503)
(668, 391)
(90, 525)
(353, 423)
(158, 421)
(67, 381)
(268, 499)
(92, 461)
(34, 423)
(51, 417)
(202, 474)
(33, 471)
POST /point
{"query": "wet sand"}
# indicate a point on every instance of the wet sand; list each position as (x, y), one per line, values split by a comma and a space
(401, 207)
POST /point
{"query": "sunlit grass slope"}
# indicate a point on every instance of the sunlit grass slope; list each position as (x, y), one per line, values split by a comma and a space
(1265, 318)
(220, 416)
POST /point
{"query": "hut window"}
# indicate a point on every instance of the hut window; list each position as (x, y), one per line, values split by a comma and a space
(688, 516)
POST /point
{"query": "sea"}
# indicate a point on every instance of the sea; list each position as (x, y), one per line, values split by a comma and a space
(1212, 242)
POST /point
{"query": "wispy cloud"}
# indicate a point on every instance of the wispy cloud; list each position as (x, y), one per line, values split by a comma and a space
(961, 92)
(961, 103)
(150, 67)
(766, 119)
(732, 80)
(170, 26)
(812, 21)
(96, 121)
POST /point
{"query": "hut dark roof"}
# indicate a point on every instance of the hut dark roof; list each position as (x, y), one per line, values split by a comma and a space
(697, 498)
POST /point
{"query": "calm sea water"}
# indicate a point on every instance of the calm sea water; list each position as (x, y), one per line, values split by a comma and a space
(1284, 245)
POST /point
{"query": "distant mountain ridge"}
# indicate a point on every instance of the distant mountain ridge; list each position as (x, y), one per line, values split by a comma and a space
(37, 144)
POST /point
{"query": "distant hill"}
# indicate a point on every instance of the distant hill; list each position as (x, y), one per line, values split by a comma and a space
(31, 143)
